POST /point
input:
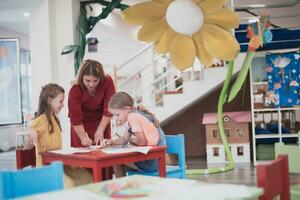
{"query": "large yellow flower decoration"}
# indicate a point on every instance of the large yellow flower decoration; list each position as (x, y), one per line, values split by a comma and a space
(187, 29)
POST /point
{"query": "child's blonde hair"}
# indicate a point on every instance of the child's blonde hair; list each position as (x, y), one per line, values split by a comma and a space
(89, 67)
(50, 90)
(121, 99)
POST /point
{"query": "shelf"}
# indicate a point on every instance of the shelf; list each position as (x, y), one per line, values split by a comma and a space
(287, 135)
(275, 109)
(260, 83)
(265, 109)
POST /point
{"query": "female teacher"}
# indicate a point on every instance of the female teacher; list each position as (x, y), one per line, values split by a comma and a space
(88, 105)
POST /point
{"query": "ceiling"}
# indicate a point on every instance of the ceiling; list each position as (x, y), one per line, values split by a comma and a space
(284, 13)
(12, 14)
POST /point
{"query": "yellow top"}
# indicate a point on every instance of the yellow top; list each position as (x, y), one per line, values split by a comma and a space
(46, 141)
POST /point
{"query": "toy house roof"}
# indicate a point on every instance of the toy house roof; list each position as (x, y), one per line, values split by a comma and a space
(240, 117)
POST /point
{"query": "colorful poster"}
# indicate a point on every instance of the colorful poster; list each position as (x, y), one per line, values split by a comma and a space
(283, 78)
(10, 93)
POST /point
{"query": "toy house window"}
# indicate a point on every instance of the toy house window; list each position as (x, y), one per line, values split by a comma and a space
(216, 151)
(227, 132)
(240, 151)
(239, 132)
(215, 133)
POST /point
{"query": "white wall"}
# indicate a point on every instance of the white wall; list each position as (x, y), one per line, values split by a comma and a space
(52, 26)
(39, 35)
(24, 39)
(114, 47)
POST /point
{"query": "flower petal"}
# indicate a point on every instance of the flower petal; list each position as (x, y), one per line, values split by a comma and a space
(163, 44)
(166, 2)
(225, 18)
(211, 6)
(182, 51)
(197, 1)
(202, 54)
(219, 43)
(144, 12)
(151, 32)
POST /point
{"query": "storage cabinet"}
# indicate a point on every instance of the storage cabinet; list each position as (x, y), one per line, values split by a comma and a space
(269, 124)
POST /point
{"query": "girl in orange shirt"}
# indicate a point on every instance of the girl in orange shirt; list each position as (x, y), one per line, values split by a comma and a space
(143, 130)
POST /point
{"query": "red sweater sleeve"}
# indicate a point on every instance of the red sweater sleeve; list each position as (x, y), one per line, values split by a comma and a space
(109, 92)
(74, 105)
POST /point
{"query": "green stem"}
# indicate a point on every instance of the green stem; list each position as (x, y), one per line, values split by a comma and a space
(242, 76)
(221, 102)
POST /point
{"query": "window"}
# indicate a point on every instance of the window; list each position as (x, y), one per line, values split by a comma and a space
(215, 133)
(215, 151)
(240, 151)
(227, 132)
(26, 93)
(239, 132)
(15, 79)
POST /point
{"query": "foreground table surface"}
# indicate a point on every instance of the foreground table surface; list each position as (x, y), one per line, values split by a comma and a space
(154, 188)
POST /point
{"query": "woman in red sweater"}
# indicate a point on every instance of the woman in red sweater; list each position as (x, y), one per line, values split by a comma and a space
(88, 105)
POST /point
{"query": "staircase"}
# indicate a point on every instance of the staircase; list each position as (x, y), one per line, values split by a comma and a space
(153, 83)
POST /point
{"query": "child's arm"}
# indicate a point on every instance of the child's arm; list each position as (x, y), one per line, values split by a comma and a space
(33, 136)
(139, 139)
(121, 140)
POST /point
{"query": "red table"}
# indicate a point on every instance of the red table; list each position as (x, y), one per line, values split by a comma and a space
(97, 160)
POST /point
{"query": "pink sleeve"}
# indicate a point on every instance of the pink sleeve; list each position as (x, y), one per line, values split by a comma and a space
(139, 123)
(134, 122)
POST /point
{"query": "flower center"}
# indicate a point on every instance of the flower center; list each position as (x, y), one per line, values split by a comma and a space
(184, 16)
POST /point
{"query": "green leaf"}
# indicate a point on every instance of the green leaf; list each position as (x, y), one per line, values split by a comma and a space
(242, 76)
(68, 49)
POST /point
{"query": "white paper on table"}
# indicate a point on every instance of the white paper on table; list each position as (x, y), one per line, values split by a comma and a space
(78, 194)
(71, 150)
(178, 189)
(126, 149)
(222, 191)
(94, 147)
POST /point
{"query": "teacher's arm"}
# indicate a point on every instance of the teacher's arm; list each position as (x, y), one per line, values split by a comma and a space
(84, 138)
(101, 128)
(109, 92)
(76, 115)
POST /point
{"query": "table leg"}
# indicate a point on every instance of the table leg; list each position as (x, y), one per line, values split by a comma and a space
(162, 165)
(107, 173)
(97, 174)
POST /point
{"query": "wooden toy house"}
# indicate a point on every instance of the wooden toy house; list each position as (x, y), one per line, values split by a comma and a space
(236, 125)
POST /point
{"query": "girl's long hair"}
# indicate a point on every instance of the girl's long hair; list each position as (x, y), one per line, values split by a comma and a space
(89, 67)
(121, 99)
(50, 90)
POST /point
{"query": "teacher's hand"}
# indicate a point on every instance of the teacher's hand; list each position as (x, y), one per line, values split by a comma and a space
(86, 141)
(98, 138)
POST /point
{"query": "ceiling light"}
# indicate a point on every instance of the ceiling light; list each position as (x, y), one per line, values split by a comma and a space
(26, 14)
(253, 20)
(257, 5)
